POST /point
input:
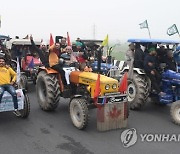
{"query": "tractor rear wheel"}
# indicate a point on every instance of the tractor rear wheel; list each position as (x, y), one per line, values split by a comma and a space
(79, 113)
(175, 112)
(138, 91)
(48, 91)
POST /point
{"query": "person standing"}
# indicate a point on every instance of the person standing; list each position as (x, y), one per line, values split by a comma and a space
(129, 56)
(138, 56)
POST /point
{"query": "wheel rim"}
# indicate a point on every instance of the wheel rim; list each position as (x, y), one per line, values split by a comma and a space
(177, 113)
(131, 91)
(77, 113)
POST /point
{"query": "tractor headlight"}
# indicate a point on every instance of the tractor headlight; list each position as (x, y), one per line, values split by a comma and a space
(114, 86)
(107, 87)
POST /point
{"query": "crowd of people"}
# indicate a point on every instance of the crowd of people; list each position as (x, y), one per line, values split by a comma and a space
(143, 56)
(50, 57)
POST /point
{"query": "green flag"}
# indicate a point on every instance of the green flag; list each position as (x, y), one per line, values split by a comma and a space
(144, 24)
(172, 30)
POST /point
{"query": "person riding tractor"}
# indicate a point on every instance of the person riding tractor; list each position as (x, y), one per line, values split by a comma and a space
(12, 98)
(81, 90)
(176, 56)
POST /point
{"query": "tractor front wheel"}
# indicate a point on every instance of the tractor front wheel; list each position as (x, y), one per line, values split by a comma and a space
(79, 113)
(175, 112)
(137, 91)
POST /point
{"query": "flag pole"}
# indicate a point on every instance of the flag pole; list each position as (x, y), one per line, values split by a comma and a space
(178, 34)
(149, 33)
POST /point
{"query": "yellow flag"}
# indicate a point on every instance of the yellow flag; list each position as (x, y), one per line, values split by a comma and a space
(105, 41)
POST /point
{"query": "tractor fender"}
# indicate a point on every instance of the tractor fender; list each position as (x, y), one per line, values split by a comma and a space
(138, 70)
(76, 96)
(48, 70)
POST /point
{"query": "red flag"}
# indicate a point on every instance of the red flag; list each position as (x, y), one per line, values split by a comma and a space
(97, 89)
(123, 83)
(51, 41)
(68, 40)
(97, 92)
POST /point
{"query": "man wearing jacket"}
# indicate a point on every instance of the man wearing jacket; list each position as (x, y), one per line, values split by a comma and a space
(52, 58)
(150, 67)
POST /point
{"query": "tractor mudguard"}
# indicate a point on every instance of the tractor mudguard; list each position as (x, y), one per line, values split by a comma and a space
(139, 71)
(48, 70)
(76, 96)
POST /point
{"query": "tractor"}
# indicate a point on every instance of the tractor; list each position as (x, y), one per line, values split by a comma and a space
(139, 84)
(49, 89)
(28, 61)
(140, 88)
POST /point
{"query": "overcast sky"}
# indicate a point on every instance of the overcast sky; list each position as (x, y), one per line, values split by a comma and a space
(89, 18)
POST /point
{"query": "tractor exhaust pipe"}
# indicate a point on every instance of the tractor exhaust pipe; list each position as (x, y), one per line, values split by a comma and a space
(99, 57)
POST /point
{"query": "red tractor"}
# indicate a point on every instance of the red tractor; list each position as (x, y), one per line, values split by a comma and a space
(29, 63)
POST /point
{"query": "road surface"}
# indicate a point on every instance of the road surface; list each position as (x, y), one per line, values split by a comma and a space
(53, 133)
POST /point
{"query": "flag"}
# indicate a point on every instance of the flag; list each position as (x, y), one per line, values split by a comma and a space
(18, 71)
(68, 40)
(97, 88)
(123, 83)
(144, 24)
(105, 41)
(31, 64)
(51, 41)
(97, 92)
(172, 30)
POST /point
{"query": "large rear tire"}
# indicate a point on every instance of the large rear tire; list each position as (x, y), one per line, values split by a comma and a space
(138, 91)
(25, 112)
(48, 91)
(175, 112)
(79, 113)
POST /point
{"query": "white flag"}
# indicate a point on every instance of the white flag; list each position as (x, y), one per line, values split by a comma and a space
(172, 30)
(18, 71)
(144, 24)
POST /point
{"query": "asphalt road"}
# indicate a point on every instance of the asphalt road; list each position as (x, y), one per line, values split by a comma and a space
(53, 133)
